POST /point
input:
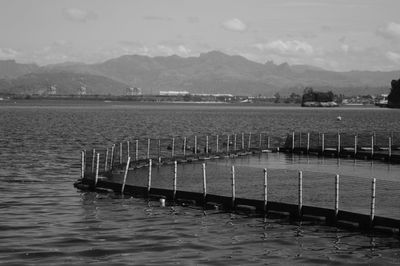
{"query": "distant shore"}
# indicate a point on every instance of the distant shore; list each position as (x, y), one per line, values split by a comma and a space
(122, 101)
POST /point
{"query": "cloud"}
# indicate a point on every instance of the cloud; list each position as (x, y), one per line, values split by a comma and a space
(7, 53)
(326, 28)
(390, 31)
(163, 49)
(234, 25)
(193, 20)
(79, 15)
(183, 50)
(286, 47)
(345, 47)
(394, 57)
(165, 19)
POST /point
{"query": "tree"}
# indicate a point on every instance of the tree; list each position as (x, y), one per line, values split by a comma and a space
(394, 95)
(308, 90)
(277, 97)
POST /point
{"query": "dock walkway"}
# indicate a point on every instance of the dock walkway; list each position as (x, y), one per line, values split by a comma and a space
(209, 172)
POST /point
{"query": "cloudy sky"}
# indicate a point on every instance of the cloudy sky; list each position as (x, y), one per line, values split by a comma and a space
(337, 35)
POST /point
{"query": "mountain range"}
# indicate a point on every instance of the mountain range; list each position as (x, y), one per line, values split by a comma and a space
(212, 72)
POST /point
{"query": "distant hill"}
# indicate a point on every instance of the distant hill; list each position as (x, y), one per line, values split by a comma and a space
(10, 69)
(216, 72)
(67, 83)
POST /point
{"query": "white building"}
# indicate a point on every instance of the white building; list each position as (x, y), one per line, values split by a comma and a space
(133, 91)
(52, 90)
(82, 90)
(174, 93)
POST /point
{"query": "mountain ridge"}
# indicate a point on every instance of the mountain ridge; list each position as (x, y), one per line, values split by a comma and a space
(216, 72)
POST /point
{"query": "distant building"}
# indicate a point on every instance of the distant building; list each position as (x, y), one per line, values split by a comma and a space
(174, 93)
(82, 90)
(52, 90)
(382, 100)
(213, 95)
(133, 91)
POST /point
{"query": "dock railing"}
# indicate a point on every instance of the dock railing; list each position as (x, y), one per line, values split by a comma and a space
(370, 145)
(161, 167)
(162, 150)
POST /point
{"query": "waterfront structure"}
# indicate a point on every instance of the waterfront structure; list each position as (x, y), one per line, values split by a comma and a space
(174, 93)
(133, 91)
(124, 170)
(52, 90)
(82, 90)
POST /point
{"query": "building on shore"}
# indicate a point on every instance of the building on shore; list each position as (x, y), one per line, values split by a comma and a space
(174, 93)
(52, 90)
(82, 90)
(133, 91)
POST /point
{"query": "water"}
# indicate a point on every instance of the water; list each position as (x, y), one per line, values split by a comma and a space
(45, 221)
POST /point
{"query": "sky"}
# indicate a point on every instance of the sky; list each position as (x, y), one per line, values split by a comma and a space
(339, 35)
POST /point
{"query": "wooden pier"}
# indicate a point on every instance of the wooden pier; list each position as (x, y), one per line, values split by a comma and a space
(368, 146)
(114, 168)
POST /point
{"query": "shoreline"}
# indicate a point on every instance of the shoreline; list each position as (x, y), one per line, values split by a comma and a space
(124, 101)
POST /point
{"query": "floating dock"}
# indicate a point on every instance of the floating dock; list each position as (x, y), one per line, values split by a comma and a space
(185, 171)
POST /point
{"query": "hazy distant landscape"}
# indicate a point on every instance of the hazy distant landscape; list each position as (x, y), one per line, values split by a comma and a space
(212, 72)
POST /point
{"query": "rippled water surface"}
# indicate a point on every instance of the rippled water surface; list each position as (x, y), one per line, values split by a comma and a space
(45, 221)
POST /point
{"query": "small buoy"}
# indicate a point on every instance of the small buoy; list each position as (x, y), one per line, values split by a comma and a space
(339, 118)
(162, 202)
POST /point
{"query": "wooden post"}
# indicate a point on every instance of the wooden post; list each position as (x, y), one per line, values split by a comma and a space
(93, 158)
(82, 164)
(260, 142)
(217, 151)
(323, 143)
(392, 142)
(373, 139)
(390, 148)
(120, 153)
(137, 150)
(184, 147)
(308, 142)
(355, 145)
(195, 144)
(97, 169)
(173, 148)
(112, 157)
(125, 174)
(127, 149)
(149, 177)
(233, 186)
(159, 151)
(207, 144)
(148, 148)
(106, 161)
(373, 189)
(268, 142)
(227, 146)
(338, 144)
(242, 141)
(249, 146)
(336, 196)
(174, 181)
(234, 143)
(372, 146)
(204, 182)
(300, 193)
(265, 190)
(293, 141)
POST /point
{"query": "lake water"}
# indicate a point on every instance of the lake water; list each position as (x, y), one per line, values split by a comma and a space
(46, 221)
